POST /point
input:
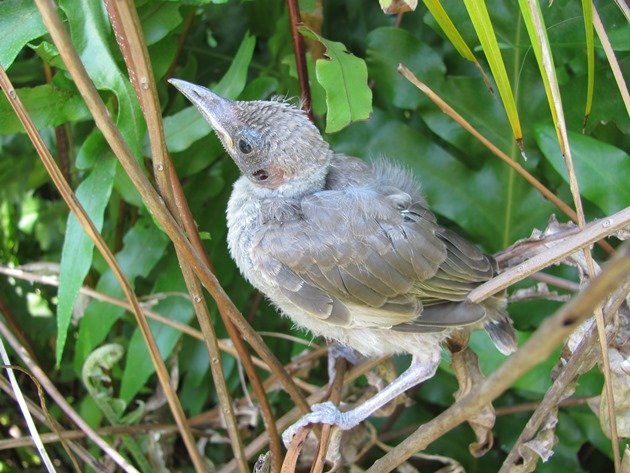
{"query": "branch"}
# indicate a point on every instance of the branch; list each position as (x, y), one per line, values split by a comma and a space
(154, 202)
(589, 235)
(126, 24)
(537, 348)
(300, 57)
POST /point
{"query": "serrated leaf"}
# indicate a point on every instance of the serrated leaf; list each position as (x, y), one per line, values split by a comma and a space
(603, 171)
(48, 106)
(76, 255)
(187, 126)
(344, 78)
(20, 22)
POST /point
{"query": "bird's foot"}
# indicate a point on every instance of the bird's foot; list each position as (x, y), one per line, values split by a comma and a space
(324, 413)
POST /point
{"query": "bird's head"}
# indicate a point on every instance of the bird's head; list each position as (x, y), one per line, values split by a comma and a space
(273, 143)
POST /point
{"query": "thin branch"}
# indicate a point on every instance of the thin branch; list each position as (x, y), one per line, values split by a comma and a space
(573, 367)
(589, 235)
(81, 452)
(259, 442)
(537, 348)
(126, 24)
(335, 397)
(181, 41)
(532, 406)
(563, 139)
(556, 281)
(154, 202)
(61, 401)
(610, 55)
(88, 226)
(224, 345)
(28, 418)
(300, 57)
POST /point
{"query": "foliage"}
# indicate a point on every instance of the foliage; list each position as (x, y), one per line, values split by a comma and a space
(243, 50)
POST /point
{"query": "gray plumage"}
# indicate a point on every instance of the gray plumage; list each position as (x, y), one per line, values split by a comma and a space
(347, 250)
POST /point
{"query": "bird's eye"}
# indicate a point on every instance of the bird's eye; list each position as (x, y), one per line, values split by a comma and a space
(244, 146)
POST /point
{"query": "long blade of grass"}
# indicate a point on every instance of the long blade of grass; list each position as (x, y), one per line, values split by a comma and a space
(612, 59)
(540, 44)
(450, 30)
(485, 32)
(538, 35)
(587, 10)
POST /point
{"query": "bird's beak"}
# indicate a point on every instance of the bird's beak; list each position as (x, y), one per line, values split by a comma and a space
(214, 108)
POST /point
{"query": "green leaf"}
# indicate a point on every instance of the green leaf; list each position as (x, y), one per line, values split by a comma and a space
(603, 171)
(20, 22)
(138, 366)
(450, 30)
(91, 35)
(386, 48)
(534, 22)
(587, 8)
(187, 126)
(76, 255)
(344, 78)
(158, 19)
(143, 246)
(48, 106)
(483, 26)
(233, 82)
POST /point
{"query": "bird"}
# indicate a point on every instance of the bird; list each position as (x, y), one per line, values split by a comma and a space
(347, 249)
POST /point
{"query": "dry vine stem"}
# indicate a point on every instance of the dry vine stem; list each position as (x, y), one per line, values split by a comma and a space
(537, 348)
(126, 24)
(574, 366)
(67, 409)
(153, 200)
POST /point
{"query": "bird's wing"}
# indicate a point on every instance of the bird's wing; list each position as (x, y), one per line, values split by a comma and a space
(365, 258)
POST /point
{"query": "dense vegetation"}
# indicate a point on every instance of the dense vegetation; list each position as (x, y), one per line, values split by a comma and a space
(244, 49)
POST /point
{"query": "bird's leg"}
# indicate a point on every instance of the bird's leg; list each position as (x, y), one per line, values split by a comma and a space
(337, 351)
(327, 413)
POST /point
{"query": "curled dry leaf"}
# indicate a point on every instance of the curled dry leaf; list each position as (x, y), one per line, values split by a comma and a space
(398, 6)
(356, 442)
(539, 240)
(540, 447)
(620, 377)
(465, 365)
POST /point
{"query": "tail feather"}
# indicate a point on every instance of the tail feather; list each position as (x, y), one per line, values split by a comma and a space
(498, 325)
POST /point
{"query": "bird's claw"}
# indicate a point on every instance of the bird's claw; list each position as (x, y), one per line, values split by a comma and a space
(324, 413)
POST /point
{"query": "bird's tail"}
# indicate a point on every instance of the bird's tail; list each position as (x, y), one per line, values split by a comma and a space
(498, 325)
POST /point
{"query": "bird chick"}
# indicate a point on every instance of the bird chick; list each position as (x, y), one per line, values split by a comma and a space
(347, 250)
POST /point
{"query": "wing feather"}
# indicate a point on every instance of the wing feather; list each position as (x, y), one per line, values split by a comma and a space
(368, 257)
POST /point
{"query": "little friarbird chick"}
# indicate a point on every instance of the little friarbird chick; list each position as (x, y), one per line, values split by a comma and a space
(347, 250)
